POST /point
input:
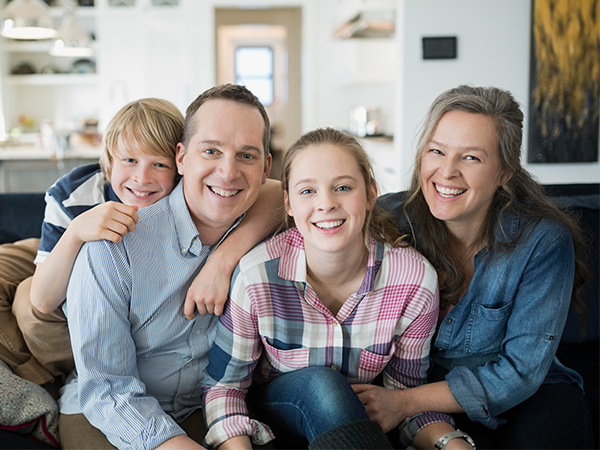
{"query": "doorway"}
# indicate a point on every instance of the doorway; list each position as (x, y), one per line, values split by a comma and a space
(261, 48)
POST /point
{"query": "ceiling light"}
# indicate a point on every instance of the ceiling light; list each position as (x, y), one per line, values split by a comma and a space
(72, 40)
(27, 19)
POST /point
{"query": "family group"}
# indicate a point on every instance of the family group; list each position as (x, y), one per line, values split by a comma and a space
(210, 306)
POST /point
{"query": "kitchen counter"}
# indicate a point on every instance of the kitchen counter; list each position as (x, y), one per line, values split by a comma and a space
(30, 168)
(29, 152)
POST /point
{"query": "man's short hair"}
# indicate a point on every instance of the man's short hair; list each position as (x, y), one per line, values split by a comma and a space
(234, 92)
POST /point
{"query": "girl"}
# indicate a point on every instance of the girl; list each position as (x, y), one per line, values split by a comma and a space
(332, 301)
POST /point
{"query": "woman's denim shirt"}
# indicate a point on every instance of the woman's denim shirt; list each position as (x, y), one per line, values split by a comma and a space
(498, 344)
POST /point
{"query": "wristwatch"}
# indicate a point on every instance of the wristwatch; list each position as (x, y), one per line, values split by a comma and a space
(441, 443)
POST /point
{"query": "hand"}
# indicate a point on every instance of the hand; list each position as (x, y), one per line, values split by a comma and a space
(382, 405)
(110, 221)
(208, 292)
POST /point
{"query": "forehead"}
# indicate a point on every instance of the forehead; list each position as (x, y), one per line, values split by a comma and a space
(324, 161)
(462, 129)
(219, 119)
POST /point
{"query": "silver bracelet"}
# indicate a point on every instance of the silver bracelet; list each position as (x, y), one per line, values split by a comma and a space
(441, 443)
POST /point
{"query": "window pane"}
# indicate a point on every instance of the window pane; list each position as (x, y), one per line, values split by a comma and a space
(262, 88)
(254, 62)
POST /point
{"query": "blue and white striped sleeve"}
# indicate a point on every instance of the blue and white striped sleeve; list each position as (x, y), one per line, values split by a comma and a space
(111, 395)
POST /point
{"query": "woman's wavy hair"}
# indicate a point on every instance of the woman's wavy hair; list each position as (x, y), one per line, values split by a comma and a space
(378, 223)
(521, 194)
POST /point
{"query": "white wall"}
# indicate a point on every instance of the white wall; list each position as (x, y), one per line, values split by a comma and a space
(493, 49)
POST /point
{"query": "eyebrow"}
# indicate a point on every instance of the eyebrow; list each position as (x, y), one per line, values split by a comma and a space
(471, 149)
(219, 143)
(312, 180)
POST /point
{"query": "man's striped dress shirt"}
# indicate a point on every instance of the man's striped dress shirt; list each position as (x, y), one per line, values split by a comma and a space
(139, 361)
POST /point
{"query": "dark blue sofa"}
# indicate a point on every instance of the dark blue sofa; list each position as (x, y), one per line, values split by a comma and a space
(21, 217)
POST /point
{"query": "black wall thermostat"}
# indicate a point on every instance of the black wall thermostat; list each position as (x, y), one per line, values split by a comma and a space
(439, 47)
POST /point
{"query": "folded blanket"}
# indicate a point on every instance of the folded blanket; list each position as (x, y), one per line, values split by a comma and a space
(26, 408)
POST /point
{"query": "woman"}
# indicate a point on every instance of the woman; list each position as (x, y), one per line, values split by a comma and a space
(508, 266)
(333, 301)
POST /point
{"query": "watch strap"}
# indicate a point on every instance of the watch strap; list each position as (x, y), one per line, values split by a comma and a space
(442, 441)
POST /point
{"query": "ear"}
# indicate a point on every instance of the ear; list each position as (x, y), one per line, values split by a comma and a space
(267, 168)
(179, 157)
(286, 204)
(506, 177)
(372, 195)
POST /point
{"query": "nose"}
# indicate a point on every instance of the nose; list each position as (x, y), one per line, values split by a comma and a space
(327, 202)
(142, 175)
(449, 168)
(228, 168)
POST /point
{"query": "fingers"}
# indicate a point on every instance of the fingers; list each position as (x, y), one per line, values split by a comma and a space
(360, 388)
(188, 308)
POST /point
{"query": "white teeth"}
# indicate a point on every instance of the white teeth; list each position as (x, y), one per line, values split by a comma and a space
(329, 225)
(447, 192)
(223, 192)
(140, 193)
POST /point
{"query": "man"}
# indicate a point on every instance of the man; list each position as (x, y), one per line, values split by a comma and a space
(139, 360)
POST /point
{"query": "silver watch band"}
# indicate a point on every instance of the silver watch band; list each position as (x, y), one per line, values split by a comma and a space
(441, 443)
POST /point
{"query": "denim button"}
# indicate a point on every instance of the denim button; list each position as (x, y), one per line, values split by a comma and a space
(448, 321)
(334, 367)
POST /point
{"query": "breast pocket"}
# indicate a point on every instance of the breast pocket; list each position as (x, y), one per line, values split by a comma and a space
(487, 328)
(371, 364)
(285, 361)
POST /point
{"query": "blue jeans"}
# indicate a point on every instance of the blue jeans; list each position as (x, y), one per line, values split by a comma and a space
(302, 405)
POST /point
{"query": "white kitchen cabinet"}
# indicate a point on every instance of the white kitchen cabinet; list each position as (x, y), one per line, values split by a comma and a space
(145, 52)
(365, 61)
(386, 164)
(63, 90)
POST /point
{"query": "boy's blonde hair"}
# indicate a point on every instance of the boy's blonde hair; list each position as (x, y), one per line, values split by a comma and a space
(152, 125)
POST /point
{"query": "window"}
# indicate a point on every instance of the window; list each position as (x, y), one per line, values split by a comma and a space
(254, 69)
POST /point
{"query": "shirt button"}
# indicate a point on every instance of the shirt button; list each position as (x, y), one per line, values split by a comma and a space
(334, 367)
(198, 332)
(183, 250)
(448, 321)
(335, 324)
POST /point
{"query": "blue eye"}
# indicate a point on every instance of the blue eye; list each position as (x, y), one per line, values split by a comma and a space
(344, 188)
(306, 191)
(210, 151)
(129, 160)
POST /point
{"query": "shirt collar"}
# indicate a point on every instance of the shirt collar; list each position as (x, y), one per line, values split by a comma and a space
(292, 262)
(109, 194)
(187, 233)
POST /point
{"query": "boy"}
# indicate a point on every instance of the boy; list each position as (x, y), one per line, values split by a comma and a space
(94, 202)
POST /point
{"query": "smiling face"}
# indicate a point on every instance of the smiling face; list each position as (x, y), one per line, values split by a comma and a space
(327, 197)
(460, 170)
(141, 179)
(223, 165)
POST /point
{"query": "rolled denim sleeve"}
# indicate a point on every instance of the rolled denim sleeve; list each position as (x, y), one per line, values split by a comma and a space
(111, 394)
(537, 318)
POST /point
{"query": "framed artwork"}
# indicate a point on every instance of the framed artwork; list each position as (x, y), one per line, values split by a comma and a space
(564, 81)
